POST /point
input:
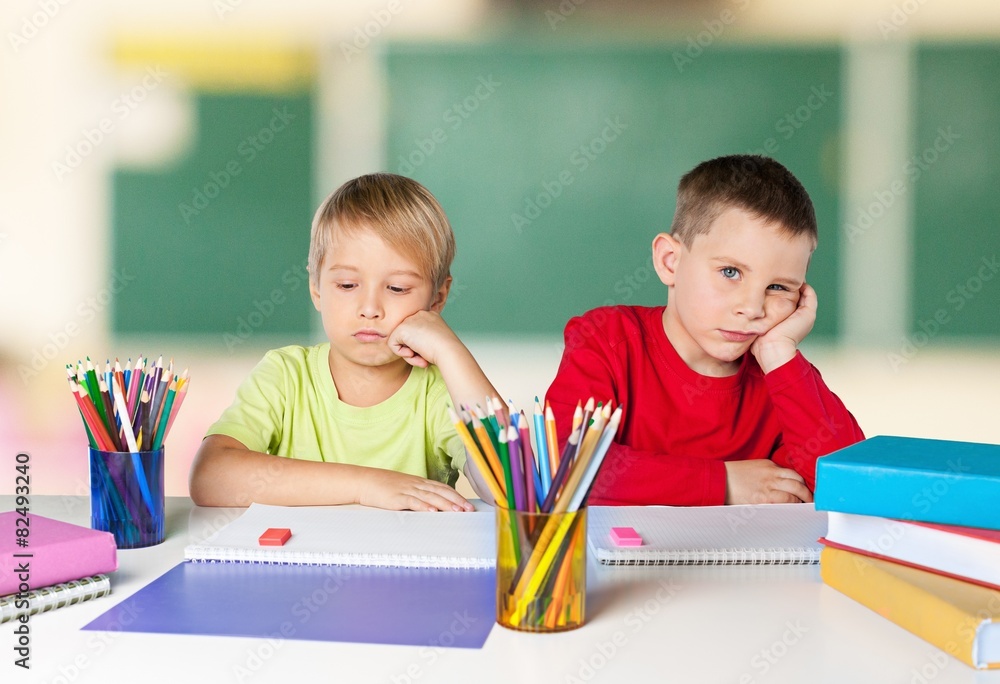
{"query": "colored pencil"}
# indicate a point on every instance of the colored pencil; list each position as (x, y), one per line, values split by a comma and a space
(156, 403)
(161, 426)
(143, 416)
(577, 416)
(528, 458)
(544, 553)
(182, 389)
(91, 420)
(565, 464)
(117, 405)
(541, 442)
(600, 451)
(478, 459)
(109, 414)
(551, 439)
(507, 475)
(134, 386)
(487, 441)
(93, 389)
(491, 415)
(122, 408)
(517, 469)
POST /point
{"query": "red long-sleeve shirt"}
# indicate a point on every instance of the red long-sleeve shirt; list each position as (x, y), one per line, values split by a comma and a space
(679, 427)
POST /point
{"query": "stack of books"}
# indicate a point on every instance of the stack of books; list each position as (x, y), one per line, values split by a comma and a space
(47, 564)
(914, 535)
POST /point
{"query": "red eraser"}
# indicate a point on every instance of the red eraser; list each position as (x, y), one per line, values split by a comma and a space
(625, 536)
(275, 536)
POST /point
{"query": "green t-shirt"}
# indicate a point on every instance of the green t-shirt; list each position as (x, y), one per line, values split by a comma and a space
(289, 406)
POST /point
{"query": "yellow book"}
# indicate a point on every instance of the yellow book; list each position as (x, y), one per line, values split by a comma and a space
(961, 618)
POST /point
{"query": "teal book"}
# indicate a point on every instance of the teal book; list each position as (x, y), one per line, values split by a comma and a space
(927, 480)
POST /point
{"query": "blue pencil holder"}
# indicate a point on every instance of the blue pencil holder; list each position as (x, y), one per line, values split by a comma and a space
(126, 496)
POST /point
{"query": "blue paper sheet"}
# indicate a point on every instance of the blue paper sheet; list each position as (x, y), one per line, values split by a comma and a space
(407, 606)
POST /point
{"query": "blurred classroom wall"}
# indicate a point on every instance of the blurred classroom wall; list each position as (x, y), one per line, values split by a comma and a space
(116, 114)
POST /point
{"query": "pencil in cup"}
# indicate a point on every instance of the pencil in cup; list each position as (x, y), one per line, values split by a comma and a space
(127, 496)
(541, 544)
(558, 602)
(126, 445)
(127, 415)
(534, 571)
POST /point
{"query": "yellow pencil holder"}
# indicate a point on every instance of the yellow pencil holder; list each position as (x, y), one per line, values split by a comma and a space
(541, 570)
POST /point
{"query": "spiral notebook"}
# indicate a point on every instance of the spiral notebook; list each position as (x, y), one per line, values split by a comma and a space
(768, 534)
(347, 574)
(335, 535)
(44, 599)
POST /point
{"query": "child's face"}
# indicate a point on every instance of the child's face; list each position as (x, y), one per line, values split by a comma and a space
(365, 289)
(732, 285)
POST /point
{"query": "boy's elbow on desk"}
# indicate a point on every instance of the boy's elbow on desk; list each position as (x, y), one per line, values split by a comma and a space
(206, 482)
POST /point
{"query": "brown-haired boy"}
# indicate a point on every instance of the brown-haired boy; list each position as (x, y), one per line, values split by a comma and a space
(362, 418)
(719, 404)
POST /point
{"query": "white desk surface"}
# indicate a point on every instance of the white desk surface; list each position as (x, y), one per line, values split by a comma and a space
(743, 625)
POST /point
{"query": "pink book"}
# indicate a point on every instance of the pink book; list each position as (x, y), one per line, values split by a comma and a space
(59, 552)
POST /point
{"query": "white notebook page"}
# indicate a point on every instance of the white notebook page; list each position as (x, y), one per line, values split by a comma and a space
(338, 535)
(760, 534)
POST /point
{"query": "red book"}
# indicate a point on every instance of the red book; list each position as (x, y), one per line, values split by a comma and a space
(966, 553)
(55, 552)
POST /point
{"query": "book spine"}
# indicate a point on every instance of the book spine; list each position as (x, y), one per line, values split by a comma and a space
(57, 596)
(916, 610)
(953, 554)
(53, 563)
(907, 493)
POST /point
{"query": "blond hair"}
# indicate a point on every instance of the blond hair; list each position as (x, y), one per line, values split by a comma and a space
(399, 210)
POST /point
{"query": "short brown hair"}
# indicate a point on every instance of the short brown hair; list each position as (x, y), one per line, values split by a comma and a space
(399, 210)
(756, 184)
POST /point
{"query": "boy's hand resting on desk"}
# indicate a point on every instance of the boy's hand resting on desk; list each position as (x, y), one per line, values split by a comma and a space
(760, 480)
(401, 492)
(778, 345)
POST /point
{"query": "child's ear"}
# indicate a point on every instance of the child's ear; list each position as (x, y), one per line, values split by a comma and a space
(314, 291)
(441, 296)
(666, 253)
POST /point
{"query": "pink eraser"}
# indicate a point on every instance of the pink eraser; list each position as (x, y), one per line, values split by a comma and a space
(275, 536)
(625, 536)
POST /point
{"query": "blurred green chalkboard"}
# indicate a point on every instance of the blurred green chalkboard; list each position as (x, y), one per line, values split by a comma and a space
(954, 169)
(558, 165)
(217, 244)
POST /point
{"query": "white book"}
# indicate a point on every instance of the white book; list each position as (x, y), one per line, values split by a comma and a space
(44, 599)
(765, 534)
(339, 535)
(962, 552)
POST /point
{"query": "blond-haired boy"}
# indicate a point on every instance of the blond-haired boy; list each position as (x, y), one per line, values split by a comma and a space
(363, 417)
(719, 404)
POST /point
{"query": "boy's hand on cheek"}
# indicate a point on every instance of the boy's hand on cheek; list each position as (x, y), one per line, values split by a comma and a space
(402, 492)
(420, 338)
(778, 345)
(761, 481)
